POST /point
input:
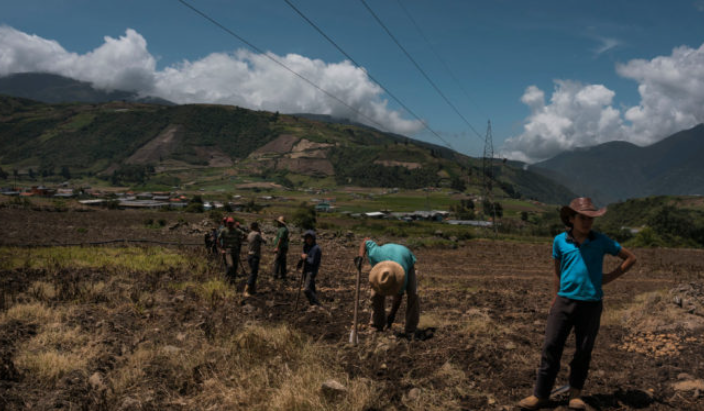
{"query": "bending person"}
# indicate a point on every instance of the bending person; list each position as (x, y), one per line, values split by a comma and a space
(393, 275)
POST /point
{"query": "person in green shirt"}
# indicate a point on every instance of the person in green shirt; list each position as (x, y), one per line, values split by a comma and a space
(280, 249)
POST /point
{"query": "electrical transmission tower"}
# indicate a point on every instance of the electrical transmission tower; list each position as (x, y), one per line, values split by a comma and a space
(488, 174)
(487, 159)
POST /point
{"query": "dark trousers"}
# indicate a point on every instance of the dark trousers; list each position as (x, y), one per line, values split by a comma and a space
(584, 317)
(231, 258)
(253, 261)
(280, 264)
(378, 319)
(309, 288)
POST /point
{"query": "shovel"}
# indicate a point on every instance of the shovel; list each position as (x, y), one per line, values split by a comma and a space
(354, 340)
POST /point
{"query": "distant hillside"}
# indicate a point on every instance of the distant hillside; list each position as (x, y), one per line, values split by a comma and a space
(663, 221)
(617, 171)
(128, 143)
(52, 88)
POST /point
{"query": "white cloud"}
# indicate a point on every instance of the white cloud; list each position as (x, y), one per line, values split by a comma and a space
(122, 63)
(672, 99)
(671, 90)
(240, 78)
(606, 45)
(577, 115)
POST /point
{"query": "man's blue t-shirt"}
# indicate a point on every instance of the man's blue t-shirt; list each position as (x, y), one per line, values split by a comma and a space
(581, 266)
(393, 252)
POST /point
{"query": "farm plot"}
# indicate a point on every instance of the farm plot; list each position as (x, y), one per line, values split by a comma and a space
(142, 328)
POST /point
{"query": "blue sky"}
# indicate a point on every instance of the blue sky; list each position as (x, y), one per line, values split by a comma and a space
(550, 75)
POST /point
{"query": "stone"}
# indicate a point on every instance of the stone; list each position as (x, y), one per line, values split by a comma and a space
(96, 381)
(170, 350)
(129, 404)
(688, 385)
(332, 389)
(414, 394)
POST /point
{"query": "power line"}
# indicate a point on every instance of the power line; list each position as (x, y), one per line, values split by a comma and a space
(419, 68)
(322, 33)
(267, 55)
(437, 55)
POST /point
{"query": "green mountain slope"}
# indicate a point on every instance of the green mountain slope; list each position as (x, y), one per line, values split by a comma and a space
(126, 141)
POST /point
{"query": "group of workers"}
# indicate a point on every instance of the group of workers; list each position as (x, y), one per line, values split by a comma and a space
(227, 239)
(578, 255)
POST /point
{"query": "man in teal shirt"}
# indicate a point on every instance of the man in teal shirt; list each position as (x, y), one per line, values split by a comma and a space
(392, 274)
(578, 254)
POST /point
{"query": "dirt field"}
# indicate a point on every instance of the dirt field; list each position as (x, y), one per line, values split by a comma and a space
(483, 306)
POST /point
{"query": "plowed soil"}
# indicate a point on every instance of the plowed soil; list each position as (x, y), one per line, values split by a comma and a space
(484, 307)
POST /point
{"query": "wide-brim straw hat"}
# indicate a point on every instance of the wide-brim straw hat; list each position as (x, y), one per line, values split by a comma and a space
(281, 220)
(387, 278)
(581, 205)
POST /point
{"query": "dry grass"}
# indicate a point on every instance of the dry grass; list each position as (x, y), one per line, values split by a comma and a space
(55, 351)
(31, 313)
(433, 320)
(259, 368)
(479, 325)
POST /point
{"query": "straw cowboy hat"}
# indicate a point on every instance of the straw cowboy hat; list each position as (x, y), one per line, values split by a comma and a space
(387, 277)
(582, 205)
(281, 220)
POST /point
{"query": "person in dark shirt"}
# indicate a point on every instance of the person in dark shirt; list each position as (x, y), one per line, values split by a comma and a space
(310, 257)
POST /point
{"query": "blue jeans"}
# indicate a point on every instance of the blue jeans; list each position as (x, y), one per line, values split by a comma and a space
(309, 288)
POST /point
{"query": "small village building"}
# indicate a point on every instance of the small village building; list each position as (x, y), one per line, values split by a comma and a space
(323, 207)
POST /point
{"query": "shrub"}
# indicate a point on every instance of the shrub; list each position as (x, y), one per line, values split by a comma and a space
(304, 216)
(194, 208)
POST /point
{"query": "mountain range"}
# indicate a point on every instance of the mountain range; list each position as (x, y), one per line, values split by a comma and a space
(52, 122)
(129, 143)
(617, 171)
(52, 88)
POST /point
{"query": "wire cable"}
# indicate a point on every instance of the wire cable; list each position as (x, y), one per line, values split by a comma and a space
(437, 55)
(267, 55)
(415, 63)
(322, 33)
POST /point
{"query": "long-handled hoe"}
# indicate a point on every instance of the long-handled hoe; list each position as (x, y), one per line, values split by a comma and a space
(354, 340)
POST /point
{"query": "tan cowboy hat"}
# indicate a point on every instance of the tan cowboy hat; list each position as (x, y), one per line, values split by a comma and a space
(387, 278)
(581, 205)
(281, 220)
